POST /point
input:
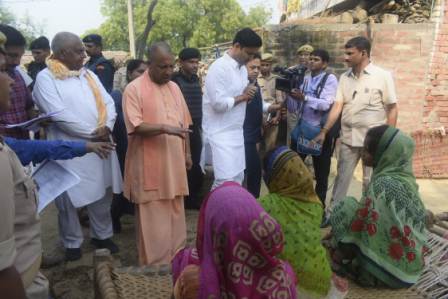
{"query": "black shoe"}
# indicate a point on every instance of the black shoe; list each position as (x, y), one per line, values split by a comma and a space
(73, 254)
(105, 244)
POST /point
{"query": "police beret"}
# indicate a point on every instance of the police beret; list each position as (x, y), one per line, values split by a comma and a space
(305, 48)
(93, 38)
(40, 43)
(189, 53)
(267, 57)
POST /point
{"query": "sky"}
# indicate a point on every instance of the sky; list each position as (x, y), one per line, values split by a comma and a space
(77, 16)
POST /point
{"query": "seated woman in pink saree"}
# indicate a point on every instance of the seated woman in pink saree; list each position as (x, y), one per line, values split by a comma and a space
(237, 245)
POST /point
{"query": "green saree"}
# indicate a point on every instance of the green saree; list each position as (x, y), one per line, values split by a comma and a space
(294, 204)
(387, 227)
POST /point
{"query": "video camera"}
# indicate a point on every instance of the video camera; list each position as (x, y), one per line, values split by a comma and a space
(289, 77)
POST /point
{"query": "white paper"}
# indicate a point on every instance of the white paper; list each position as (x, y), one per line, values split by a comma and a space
(33, 124)
(52, 180)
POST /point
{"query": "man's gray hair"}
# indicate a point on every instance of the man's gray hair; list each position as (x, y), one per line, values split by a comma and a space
(63, 40)
(156, 48)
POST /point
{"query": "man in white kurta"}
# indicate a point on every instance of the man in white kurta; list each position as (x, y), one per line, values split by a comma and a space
(226, 94)
(87, 109)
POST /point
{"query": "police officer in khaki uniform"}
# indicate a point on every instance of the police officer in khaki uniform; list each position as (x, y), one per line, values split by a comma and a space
(266, 81)
(20, 244)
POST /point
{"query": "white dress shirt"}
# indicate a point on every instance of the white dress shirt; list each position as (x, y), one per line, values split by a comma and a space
(222, 122)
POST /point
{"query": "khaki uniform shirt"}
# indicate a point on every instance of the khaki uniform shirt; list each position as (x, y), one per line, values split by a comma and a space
(18, 215)
(268, 92)
(365, 100)
(7, 209)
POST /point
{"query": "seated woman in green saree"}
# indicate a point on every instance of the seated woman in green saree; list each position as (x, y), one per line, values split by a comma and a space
(380, 240)
(293, 203)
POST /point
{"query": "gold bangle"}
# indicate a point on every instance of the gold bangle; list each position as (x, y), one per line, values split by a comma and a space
(325, 130)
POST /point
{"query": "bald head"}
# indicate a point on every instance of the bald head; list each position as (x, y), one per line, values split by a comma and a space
(161, 62)
(69, 49)
(63, 41)
(157, 49)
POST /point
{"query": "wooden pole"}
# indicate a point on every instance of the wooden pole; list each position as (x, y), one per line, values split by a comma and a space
(131, 29)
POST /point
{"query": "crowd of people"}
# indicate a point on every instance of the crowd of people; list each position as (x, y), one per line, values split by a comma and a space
(143, 145)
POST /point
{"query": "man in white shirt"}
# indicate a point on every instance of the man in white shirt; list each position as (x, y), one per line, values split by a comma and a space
(87, 113)
(227, 91)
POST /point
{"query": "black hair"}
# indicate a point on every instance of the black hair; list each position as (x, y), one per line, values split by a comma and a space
(256, 56)
(133, 64)
(189, 53)
(323, 54)
(373, 138)
(361, 43)
(40, 43)
(13, 36)
(247, 38)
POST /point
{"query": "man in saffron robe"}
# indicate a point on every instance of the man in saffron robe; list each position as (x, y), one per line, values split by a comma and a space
(157, 121)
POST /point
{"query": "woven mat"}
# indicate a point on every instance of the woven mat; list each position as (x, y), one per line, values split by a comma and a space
(142, 286)
(159, 286)
(357, 292)
(150, 283)
(139, 286)
(132, 282)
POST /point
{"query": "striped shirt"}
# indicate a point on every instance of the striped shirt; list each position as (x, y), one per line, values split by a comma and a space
(21, 102)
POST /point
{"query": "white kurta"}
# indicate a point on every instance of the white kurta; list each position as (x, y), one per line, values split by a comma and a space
(77, 122)
(222, 121)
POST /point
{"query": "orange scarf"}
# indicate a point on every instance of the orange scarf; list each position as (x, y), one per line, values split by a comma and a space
(61, 72)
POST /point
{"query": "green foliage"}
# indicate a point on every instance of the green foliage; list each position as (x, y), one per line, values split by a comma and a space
(25, 25)
(182, 23)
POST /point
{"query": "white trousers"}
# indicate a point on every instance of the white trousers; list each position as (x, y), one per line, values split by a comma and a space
(349, 157)
(100, 220)
(237, 179)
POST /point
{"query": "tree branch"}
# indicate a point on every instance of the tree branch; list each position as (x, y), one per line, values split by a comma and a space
(141, 45)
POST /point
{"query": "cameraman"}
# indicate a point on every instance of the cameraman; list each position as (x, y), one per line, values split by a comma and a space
(292, 106)
(317, 94)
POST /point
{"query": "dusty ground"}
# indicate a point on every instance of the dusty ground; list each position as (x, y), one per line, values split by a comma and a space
(74, 280)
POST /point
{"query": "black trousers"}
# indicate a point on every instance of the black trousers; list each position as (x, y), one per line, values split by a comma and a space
(195, 174)
(253, 169)
(322, 165)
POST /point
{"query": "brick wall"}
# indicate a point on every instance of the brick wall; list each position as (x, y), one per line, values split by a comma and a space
(403, 49)
(431, 154)
(419, 66)
(431, 158)
(436, 104)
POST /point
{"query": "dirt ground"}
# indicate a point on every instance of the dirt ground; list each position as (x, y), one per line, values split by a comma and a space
(74, 280)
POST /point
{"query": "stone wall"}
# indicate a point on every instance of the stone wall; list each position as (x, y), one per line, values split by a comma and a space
(416, 54)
